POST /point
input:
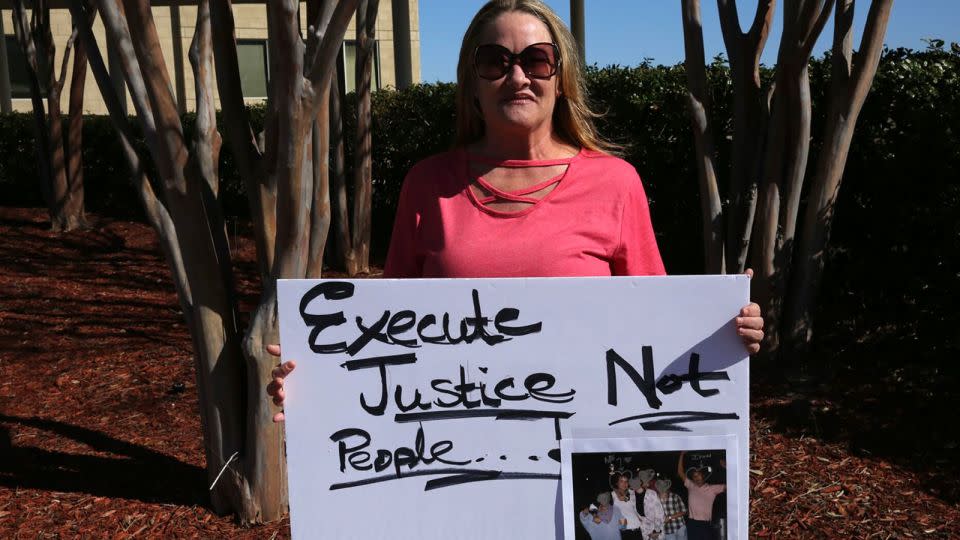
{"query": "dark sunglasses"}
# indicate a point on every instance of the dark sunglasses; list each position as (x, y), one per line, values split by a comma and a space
(538, 61)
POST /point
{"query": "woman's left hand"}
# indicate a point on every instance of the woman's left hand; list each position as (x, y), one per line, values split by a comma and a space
(750, 325)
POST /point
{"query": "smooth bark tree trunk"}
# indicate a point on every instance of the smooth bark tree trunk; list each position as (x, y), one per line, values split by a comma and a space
(749, 124)
(698, 100)
(852, 77)
(64, 199)
(358, 259)
(338, 178)
(771, 147)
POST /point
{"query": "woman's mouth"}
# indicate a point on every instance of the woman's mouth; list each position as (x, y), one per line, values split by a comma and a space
(517, 100)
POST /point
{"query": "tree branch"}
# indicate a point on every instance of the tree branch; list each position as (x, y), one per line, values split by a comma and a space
(760, 29)
(111, 12)
(240, 135)
(159, 91)
(66, 58)
(871, 45)
(815, 29)
(319, 72)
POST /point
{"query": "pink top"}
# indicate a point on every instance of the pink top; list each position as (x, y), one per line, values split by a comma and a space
(595, 222)
(700, 499)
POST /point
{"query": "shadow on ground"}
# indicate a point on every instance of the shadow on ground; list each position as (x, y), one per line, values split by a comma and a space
(129, 471)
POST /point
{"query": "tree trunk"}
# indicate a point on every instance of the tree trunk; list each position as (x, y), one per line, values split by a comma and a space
(359, 259)
(749, 124)
(785, 162)
(244, 448)
(850, 83)
(64, 201)
(73, 145)
(698, 99)
(771, 150)
(338, 179)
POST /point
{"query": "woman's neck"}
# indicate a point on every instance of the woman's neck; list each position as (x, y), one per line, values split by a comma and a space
(530, 147)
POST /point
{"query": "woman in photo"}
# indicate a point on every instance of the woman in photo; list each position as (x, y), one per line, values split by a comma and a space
(625, 500)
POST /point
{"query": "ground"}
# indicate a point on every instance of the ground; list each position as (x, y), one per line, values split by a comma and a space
(100, 431)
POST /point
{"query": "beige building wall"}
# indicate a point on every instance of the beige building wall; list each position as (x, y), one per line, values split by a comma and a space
(251, 23)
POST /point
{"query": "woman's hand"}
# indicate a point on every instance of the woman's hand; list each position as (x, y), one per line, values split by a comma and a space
(750, 324)
(275, 388)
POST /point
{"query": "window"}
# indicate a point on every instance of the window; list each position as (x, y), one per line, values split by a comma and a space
(17, 65)
(254, 69)
(349, 66)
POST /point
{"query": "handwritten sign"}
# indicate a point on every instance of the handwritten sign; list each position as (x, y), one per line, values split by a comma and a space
(434, 408)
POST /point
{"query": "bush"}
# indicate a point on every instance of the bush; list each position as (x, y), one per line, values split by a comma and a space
(898, 211)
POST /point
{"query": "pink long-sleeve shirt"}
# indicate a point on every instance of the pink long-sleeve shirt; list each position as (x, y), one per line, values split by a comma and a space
(595, 222)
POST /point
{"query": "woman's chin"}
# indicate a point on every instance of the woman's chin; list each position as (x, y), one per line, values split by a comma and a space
(518, 119)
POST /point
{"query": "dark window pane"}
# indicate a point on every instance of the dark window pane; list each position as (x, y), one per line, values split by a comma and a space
(252, 57)
(17, 64)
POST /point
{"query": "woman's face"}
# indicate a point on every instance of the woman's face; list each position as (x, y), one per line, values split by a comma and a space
(622, 483)
(516, 102)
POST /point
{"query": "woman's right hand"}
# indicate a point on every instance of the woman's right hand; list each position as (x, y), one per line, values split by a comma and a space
(279, 373)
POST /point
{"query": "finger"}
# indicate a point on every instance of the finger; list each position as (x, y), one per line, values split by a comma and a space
(274, 349)
(749, 272)
(283, 369)
(750, 310)
(272, 388)
(755, 323)
(277, 418)
(750, 336)
(279, 396)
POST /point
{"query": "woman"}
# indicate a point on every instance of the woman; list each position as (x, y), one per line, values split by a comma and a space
(531, 189)
(625, 500)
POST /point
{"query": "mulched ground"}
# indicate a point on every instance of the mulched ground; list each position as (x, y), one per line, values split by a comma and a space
(100, 434)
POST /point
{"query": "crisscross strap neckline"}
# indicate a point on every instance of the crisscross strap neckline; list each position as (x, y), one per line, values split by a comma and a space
(493, 194)
(516, 196)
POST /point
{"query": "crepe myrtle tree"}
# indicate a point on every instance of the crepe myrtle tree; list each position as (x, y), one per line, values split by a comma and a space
(762, 216)
(352, 225)
(177, 182)
(59, 153)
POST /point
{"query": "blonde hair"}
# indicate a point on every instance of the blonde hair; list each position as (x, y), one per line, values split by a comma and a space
(572, 116)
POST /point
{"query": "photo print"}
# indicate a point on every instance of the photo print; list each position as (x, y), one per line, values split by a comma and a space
(653, 489)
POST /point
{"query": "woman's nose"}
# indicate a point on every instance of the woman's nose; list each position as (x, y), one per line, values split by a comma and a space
(516, 76)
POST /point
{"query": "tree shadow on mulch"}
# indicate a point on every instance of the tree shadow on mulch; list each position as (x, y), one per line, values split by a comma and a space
(130, 471)
(878, 405)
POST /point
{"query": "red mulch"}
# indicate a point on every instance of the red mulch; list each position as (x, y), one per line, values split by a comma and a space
(100, 431)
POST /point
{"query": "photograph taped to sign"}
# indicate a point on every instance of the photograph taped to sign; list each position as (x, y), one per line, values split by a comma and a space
(434, 408)
(635, 484)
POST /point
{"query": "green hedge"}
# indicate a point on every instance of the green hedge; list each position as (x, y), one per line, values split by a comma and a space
(896, 237)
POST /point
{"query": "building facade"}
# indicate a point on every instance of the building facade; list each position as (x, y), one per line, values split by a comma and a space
(396, 60)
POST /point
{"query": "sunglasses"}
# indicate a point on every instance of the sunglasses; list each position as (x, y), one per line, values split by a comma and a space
(538, 61)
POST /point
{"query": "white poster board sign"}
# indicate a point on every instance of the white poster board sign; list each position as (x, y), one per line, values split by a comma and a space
(435, 408)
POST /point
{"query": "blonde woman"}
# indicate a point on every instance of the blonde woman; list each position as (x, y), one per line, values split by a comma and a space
(531, 189)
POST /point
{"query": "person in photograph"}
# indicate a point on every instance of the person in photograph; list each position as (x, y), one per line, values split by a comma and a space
(625, 500)
(648, 504)
(700, 496)
(602, 520)
(674, 511)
